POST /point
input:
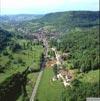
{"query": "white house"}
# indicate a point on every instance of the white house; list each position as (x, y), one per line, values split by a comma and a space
(65, 76)
(66, 83)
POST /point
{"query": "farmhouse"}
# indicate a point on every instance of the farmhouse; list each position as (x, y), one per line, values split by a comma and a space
(65, 76)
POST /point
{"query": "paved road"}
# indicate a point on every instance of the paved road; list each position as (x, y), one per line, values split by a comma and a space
(36, 86)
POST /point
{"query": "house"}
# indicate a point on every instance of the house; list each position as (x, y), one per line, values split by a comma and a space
(66, 83)
(59, 76)
(63, 74)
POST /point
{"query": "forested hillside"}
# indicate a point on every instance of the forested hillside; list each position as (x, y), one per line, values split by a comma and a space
(61, 22)
(83, 46)
(71, 19)
(5, 37)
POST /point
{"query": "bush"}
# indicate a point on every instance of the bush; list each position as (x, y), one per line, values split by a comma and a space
(11, 57)
(55, 69)
(20, 60)
(1, 69)
(16, 47)
(8, 64)
(5, 53)
(23, 63)
(15, 62)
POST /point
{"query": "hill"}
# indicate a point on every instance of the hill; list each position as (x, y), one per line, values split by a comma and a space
(19, 17)
(54, 22)
(71, 19)
(83, 45)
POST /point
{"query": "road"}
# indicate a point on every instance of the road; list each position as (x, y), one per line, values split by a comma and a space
(36, 86)
(45, 43)
(41, 37)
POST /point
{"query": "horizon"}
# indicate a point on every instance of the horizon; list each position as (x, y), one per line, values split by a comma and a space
(49, 12)
(38, 7)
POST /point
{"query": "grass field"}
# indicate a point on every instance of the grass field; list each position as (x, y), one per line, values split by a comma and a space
(48, 90)
(90, 77)
(52, 91)
(30, 56)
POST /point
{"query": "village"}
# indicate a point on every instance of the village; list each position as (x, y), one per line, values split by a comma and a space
(63, 73)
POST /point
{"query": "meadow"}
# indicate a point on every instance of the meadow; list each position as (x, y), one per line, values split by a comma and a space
(55, 91)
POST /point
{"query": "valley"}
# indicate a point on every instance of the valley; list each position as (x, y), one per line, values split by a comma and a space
(54, 57)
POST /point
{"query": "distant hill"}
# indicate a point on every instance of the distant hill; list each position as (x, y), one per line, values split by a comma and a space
(20, 17)
(69, 19)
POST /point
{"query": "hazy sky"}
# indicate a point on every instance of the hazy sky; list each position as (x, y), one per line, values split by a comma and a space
(45, 6)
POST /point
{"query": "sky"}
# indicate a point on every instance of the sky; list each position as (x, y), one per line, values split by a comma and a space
(46, 6)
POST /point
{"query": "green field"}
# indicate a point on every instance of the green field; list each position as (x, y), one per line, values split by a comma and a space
(29, 57)
(53, 91)
(90, 77)
(49, 90)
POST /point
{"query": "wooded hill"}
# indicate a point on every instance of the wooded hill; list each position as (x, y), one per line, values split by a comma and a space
(83, 46)
(19, 17)
(71, 19)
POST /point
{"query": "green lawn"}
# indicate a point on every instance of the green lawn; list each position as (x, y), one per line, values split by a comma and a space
(49, 90)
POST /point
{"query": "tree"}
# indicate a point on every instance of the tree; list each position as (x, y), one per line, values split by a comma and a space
(55, 69)
(16, 47)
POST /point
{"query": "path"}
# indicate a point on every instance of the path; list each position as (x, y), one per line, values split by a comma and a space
(41, 37)
(36, 86)
(45, 43)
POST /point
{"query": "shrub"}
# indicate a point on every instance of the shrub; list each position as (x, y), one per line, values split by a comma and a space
(11, 57)
(5, 53)
(16, 47)
(20, 60)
